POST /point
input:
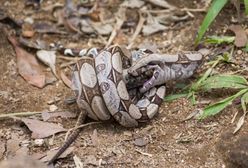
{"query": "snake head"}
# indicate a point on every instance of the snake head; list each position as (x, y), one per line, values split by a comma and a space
(165, 67)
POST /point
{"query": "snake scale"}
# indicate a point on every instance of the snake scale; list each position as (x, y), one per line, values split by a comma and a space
(128, 87)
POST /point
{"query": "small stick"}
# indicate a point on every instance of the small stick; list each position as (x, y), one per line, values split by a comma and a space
(28, 113)
(143, 153)
(120, 20)
(80, 126)
(137, 30)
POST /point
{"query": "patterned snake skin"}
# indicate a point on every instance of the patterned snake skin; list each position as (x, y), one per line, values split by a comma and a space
(103, 83)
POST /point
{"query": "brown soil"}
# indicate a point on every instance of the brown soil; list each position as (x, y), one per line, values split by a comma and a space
(171, 142)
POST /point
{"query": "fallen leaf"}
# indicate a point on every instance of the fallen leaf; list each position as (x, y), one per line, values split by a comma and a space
(13, 147)
(48, 58)
(28, 66)
(46, 28)
(240, 123)
(94, 138)
(152, 26)
(41, 129)
(65, 79)
(37, 44)
(51, 153)
(240, 35)
(22, 161)
(149, 46)
(102, 29)
(66, 114)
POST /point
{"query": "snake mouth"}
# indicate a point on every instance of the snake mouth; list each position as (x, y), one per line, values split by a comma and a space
(138, 81)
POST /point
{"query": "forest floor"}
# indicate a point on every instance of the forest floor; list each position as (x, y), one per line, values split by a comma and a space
(168, 140)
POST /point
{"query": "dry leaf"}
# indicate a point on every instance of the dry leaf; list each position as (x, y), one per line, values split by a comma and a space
(94, 138)
(240, 123)
(21, 162)
(48, 58)
(102, 29)
(47, 28)
(240, 35)
(37, 44)
(28, 66)
(152, 26)
(41, 129)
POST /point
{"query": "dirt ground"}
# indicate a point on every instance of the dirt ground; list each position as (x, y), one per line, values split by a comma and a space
(165, 141)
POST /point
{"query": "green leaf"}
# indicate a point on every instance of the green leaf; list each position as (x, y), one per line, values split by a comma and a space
(175, 96)
(224, 81)
(195, 86)
(244, 101)
(219, 39)
(213, 11)
(246, 6)
(246, 48)
(219, 106)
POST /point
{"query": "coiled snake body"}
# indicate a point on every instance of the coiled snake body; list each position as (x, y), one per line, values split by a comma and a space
(101, 82)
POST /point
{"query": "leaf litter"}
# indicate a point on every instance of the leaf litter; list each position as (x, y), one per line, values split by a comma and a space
(41, 129)
(87, 21)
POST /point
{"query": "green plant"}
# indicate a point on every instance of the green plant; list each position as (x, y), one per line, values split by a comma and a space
(208, 82)
(214, 10)
(190, 91)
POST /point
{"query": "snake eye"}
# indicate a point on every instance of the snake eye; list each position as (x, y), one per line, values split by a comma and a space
(156, 74)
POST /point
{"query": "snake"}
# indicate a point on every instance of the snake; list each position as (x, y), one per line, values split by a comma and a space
(101, 83)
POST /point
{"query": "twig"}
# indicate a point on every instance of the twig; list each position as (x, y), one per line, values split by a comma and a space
(193, 10)
(67, 64)
(80, 126)
(143, 153)
(120, 20)
(19, 114)
(162, 4)
(68, 58)
(137, 30)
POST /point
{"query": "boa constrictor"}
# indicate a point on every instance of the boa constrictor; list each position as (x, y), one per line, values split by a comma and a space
(100, 84)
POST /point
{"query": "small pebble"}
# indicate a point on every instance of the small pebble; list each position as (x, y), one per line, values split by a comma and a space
(239, 52)
(29, 20)
(53, 107)
(39, 142)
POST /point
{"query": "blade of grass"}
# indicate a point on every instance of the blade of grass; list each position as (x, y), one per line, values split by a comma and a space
(219, 39)
(213, 11)
(175, 96)
(246, 6)
(244, 101)
(224, 81)
(219, 106)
